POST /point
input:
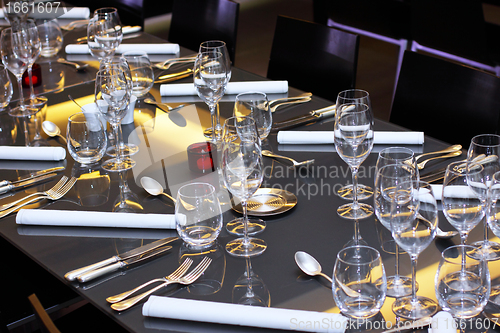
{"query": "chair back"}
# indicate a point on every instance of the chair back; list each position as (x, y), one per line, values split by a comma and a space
(196, 21)
(313, 57)
(130, 12)
(447, 101)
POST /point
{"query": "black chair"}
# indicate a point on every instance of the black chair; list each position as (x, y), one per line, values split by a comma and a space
(131, 12)
(313, 57)
(196, 21)
(46, 323)
(445, 100)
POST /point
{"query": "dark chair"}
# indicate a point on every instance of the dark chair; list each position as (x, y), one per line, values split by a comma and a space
(46, 323)
(445, 100)
(313, 57)
(131, 12)
(196, 21)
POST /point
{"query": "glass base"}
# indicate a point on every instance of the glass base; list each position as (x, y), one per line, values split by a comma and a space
(404, 307)
(488, 250)
(398, 286)
(23, 112)
(255, 226)
(348, 211)
(254, 247)
(114, 165)
(128, 149)
(38, 101)
(364, 192)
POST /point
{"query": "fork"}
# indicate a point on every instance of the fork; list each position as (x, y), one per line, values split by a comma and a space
(422, 164)
(52, 196)
(295, 163)
(74, 24)
(169, 62)
(50, 191)
(188, 279)
(179, 272)
(300, 100)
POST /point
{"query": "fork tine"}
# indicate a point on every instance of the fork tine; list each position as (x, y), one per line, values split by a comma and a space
(181, 270)
(63, 190)
(198, 270)
(58, 185)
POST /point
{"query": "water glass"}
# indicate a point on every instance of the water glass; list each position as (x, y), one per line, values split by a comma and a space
(256, 105)
(51, 37)
(6, 88)
(86, 137)
(198, 216)
(359, 282)
(141, 72)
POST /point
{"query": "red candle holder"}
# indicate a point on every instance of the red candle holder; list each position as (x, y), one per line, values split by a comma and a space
(202, 157)
(36, 74)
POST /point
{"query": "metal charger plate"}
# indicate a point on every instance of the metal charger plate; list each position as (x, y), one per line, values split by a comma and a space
(268, 201)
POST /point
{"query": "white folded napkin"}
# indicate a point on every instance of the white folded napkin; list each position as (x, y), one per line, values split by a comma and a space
(243, 315)
(159, 48)
(39, 230)
(268, 87)
(32, 153)
(443, 322)
(327, 137)
(94, 219)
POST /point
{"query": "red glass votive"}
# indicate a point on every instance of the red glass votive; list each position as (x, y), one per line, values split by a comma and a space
(202, 157)
(36, 73)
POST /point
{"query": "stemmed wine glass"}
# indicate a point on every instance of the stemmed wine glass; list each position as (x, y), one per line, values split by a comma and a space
(16, 53)
(111, 91)
(354, 97)
(16, 11)
(353, 131)
(414, 220)
(394, 165)
(242, 171)
(210, 81)
(487, 146)
(31, 30)
(104, 32)
(250, 289)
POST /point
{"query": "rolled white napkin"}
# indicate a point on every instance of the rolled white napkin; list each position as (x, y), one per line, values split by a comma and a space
(443, 322)
(243, 315)
(268, 87)
(32, 153)
(159, 48)
(327, 137)
(94, 219)
(56, 12)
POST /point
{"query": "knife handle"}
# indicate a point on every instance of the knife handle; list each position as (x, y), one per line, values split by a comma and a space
(4, 182)
(100, 271)
(7, 188)
(72, 275)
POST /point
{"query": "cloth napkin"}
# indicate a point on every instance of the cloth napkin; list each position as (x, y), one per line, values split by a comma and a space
(456, 191)
(40, 230)
(442, 322)
(268, 87)
(327, 137)
(159, 48)
(94, 219)
(61, 13)
(32, 153)
(243, 315)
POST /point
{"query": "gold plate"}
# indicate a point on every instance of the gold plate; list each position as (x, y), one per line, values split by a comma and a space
(268, 201)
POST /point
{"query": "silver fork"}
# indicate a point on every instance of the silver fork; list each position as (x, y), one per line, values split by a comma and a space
(53, 196)
(74, 24)
(50, 191)
(422, 164)
(169, 62)
(179, 272)
(300, 100)
(188, 279)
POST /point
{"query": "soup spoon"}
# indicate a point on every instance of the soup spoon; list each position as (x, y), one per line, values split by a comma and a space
(154, 188)
(52, 130)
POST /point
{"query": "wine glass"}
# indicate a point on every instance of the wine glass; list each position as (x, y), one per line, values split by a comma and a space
(250, 289)
(414, 220)
(354, 97)
(104, 32)
(256, 105)
(30, 29)
(210, 81)
(353, 131)
(16, 11)
(242, 171)
(141, 72)
(461, 205)
(394, 165)
(16, 53)
(359, 281)
(462, 281)
(487, 146)
(111, 91)
(127, 201)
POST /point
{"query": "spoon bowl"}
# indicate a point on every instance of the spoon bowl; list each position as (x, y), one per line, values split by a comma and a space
(445, 234)
(52, 130)
(154, 188)
(296, 164)
(309, 265)
(77, 66)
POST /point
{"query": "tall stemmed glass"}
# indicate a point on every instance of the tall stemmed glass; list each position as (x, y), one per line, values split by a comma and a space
(16, 11)
(354, 97)
(242, 170)
(488, 146)
(394, 165)
(111, 91)
(15, 56)
(31, 30)
(414, 220)
(210, 81)
(353, 131)
(104, 32)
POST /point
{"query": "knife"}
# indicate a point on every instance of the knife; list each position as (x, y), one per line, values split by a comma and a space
(125, 30)
(72, 275)
(30, 176)
(312, 116)
(174, 76)
(113, 267)
(26, 183)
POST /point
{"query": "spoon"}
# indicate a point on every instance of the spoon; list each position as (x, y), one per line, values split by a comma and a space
(163, 106)
(154, 188)
(78, 67)
(450, 149)
(445, 234)
(71, 98)
(52, 130)
(296, 164)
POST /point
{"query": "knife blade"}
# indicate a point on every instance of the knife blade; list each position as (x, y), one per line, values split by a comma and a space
(30, 176)
(72, 275)
(312, 116)
(26, 183)
(120, 264)
(174, 76)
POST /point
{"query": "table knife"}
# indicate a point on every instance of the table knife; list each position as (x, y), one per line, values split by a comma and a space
(175, 76)
(72, 275)
(120, 264)
(125, 30)
(26, 183)
(312, 116)
(30, 176)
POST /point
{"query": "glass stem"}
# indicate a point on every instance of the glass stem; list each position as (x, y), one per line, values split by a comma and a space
(214, 116)
(30, 76)
(486, 219)
(218, 127)
(21, 96)
(396, 259)
(354, 171)
(414, 259)
(118, 140)
(246, 241)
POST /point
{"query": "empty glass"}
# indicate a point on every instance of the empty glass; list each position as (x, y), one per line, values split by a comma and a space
(255, 104)
(6, 88)
(86, 137)
(104, 32)
(141, 72)
(51, 37)
(198, 216)
(359, 282)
